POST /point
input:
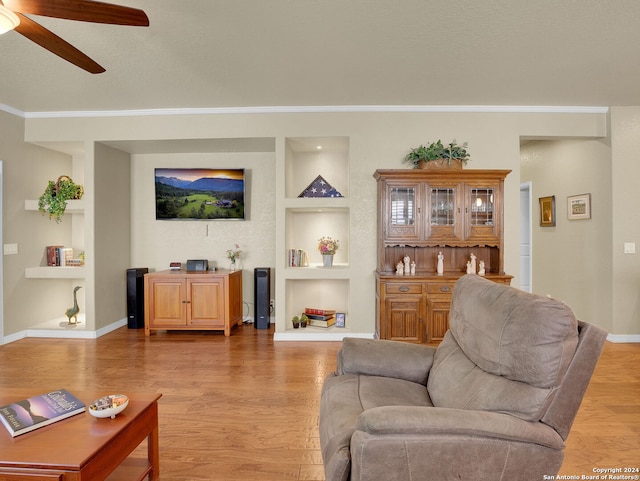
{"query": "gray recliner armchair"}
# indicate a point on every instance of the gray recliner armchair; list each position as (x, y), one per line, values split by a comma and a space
(494, 401)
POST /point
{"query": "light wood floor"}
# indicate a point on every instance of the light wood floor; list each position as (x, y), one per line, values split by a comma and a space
(246, 408)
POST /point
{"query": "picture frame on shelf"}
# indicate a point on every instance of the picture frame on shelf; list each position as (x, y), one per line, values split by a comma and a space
(547, 211)
(340, 319)
(579, 207)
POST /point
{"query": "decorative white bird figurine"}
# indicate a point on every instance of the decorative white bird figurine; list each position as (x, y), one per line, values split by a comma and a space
(72, 312)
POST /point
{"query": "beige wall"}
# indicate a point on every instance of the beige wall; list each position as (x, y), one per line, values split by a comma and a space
(625, 162)
(157, 243)
(27, 169)
(572, 260)
(377, 140)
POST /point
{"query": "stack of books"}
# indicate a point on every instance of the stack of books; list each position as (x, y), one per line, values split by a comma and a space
(320, 317)
(297, 258)
(61, 256)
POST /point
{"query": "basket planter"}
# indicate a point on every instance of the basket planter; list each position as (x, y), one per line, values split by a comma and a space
(440, 164)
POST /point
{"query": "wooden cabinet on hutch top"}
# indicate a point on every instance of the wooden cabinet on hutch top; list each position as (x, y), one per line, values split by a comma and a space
(422, 213)
(179, 300)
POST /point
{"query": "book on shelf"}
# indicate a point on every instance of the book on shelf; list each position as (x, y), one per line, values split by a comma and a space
(35, 412)
(60, 256)
(319, 312)
(52, 253)
(318, 317)
(298, 258)
(322, 323)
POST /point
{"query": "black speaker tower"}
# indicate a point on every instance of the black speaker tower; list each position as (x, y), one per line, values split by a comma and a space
(135, 297)
(261, 297)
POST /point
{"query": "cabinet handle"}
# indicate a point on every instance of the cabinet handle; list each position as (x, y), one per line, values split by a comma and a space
(404, 289)
(445, 289)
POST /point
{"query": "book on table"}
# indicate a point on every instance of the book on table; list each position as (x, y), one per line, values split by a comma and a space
(35, 412)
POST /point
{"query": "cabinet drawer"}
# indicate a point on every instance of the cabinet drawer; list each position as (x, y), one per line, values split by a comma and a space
(404, 288)
(440, 288)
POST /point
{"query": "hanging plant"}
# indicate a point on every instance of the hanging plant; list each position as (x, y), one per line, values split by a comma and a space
(54, 199)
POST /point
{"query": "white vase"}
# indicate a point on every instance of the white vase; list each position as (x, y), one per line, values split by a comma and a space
(327, 260)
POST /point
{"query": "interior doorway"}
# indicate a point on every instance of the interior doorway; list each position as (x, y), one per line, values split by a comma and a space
(525, 237)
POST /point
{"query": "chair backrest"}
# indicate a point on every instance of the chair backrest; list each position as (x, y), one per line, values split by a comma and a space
(511, 351)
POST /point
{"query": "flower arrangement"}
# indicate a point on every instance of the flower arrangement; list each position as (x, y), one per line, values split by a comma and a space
(327, 245)
(234, 254)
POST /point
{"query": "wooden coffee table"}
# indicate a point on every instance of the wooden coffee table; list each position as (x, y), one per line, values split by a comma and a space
(82, 447)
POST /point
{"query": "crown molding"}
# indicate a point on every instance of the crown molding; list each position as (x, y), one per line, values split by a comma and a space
(312, 109)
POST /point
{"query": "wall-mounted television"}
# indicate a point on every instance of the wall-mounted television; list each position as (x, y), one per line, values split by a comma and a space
(199, 194)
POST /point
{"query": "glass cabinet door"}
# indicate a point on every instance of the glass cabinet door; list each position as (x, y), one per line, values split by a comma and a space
(403, 211)
(444, 213)
(443, 205)
(481, 206)
(482, 223)
(403, 206)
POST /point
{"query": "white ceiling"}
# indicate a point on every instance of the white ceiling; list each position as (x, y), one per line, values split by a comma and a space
(207, 54)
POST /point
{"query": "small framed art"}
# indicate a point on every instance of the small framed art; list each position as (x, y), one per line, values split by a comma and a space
(340, 319)
(579, 207)
(548, 211)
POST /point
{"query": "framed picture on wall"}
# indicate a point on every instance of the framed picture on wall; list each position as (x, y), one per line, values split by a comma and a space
(199, 194)
(548, 211)
(579, 207)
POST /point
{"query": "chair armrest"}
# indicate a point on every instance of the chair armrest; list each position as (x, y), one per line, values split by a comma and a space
(433, 421)
(401, 360)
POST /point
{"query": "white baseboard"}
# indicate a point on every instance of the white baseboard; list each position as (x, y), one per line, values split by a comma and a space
(65, 333)
(307, 335)
(623, 338)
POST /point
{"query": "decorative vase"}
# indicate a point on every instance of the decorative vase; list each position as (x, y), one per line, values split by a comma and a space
(327, 260)
(234, 264)
(440, 164)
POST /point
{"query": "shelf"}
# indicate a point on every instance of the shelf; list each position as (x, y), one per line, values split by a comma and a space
(54, 272)
(73, 206)
(316, 204)
(338, 271)
(311, 333)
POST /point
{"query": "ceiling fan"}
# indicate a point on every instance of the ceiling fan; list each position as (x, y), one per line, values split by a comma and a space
(80, 10)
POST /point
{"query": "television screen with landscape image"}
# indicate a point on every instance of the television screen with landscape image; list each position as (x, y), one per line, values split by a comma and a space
(199, 194)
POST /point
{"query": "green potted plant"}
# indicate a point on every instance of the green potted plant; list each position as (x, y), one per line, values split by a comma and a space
(304, 320)
(54, 199)
(436, 153)
(296, 322)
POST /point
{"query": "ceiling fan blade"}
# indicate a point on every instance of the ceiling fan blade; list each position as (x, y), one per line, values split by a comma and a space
(49, 40)
(82, 10)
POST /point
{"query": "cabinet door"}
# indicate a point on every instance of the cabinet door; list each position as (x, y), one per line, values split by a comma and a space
(403, 219)
(404, 319)
(167, 306)
(444, 213)
(482, 219)
(205, 303)
(437, 317)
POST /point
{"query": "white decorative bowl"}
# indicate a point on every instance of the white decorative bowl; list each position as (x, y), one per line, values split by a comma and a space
(109, 406)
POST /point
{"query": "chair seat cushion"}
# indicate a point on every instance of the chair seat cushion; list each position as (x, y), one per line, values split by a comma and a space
(344, 398)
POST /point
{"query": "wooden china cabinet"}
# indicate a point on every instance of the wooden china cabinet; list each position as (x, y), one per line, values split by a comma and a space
(420, 214)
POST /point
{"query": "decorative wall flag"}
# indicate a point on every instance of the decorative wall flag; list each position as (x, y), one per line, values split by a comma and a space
(320, 188)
